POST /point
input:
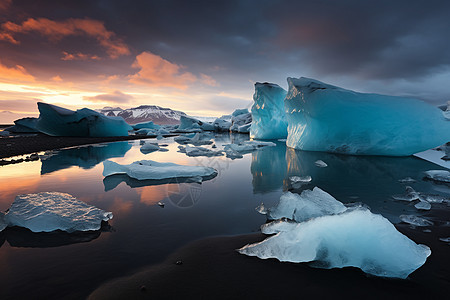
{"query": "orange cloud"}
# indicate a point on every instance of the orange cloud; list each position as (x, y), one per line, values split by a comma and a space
(114, 97)
(56, 30)
(78, 56)
(14, 74)
(156, 71)
(206, 79)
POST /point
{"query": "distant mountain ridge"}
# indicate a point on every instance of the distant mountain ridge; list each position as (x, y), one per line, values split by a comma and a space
(144, 113)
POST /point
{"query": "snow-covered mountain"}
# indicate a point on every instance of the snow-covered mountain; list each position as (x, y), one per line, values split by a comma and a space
(145, 113)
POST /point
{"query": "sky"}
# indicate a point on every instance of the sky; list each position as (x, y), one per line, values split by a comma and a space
(203, 57)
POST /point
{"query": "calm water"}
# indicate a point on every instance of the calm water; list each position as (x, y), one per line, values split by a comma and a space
(56, 265)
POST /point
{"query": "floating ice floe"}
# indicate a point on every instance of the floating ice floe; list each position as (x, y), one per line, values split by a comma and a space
(148, 147)
(438, 175)
(410, 195)
(407, 180)
(50, 211)
(415, 220)
(148, 169)
(320, 163)
(234, 151)
(322, 117)
(57, 121)
(423, 205)
(146, 125)
(189, 124)
(241, 120)
(269, 117)
(445, 240)
(196, 139)
(309, 204)
(199, 151)
(354, 238)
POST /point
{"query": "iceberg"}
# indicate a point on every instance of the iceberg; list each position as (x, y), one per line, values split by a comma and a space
(354, 238)
(240, 120)
(190, 123)
(50, 211)
(322, 117)
(57, 121)
(148, 169)
(309, 204)
(438, 175)
(269, 117)
(146, 125)
(24, 125)
(223, 123)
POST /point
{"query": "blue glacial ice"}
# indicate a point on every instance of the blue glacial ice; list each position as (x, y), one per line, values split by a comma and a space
(322, 117)
(309, 204)
(152, 170)
(146, 125)
(50, 211)
(438, 175)
(24, 125)
(191, 124)
(269, 118)
(241, 120)
(354, 238)
(57, 121)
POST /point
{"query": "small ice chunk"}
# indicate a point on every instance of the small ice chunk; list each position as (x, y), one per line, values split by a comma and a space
(247, 146)
(411, 195)
(50, 211)
(320, 163)
(149, 147)
(407, 180)
(433, 198)
(423, 205)
(445, 240)
(438, 175)
(300, 179)
(200, 151)
(233, 154)
(415, 220)
(148, 169)
(161, 204)
(261, 209)
(309, 204)
(355, 238)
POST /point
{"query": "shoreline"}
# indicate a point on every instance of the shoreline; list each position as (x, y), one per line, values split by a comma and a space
(212, 269)
(21, 145)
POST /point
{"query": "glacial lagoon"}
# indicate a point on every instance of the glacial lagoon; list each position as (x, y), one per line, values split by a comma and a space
(152, 219)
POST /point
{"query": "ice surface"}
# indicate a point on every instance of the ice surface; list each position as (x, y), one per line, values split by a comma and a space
(50, 211)
(239, 119)
(320, 163)
(189, 123)
(438, 175)
(356, 238)
(58, 121)
(3, 223)
(148, 169)
(323, 117)
(269, 117)
(423, 205)
(199, 151)
(147, 125)
(309, 204)
(415, 220)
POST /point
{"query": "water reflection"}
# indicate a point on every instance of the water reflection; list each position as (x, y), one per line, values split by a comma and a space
(84, 157)
(269, 168)
(368, 179)
(24, 238)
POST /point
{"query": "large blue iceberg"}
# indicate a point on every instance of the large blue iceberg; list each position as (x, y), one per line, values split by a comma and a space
(269, 118)
(57, 121)
(322, 117)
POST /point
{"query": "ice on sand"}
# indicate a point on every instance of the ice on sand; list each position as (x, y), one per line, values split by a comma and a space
(148, 169)
(438, 175)
(415, 220)
(50, 211)
(356, 238)
(322, 117)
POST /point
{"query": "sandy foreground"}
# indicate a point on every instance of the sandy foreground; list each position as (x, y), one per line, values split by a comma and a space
(212, 269)
(19, 145)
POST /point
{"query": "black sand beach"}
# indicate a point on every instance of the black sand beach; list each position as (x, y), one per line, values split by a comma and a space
(212, 269)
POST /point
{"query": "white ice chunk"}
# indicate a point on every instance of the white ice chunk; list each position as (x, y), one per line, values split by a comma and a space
(415, 220)
(200, 151)
(355, 238)
(50, 211)
(322, 117)
(445, 240)
(58, 121)
(407, 180)
(309, 204)
(301, 179)
(269, 117)
(240, 118)
(247, 146)
(438, 175)
(148, 169)
(320, 163)
(223, 123)
(411, 195)
(423, 205)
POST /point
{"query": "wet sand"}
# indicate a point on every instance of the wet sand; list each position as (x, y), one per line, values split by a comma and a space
(212, 269)
(19, 145)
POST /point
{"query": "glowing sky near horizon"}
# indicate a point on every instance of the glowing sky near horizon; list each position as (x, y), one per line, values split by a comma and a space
(203, 57)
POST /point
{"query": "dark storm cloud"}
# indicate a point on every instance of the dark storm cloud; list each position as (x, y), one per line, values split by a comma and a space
(235, 41)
